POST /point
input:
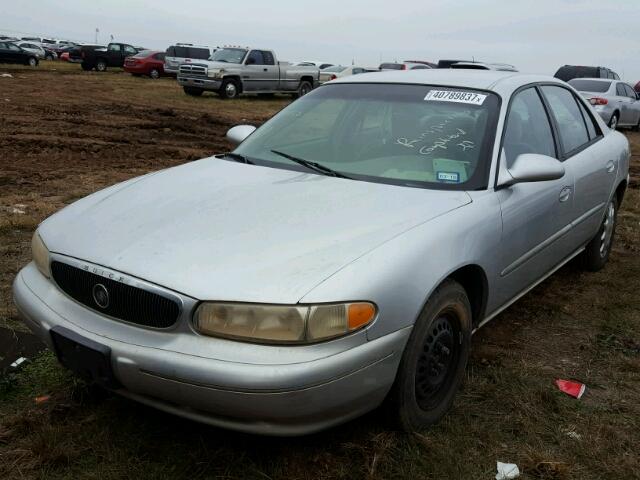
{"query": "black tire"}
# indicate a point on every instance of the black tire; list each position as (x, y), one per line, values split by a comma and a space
(32, 61)
(101, 65)
(636, 128)
(229, 89)
(613, 121)
(86, 67)
(596, 254)
(193, 91)
(49, 56)
(154, 73)
(304, 88)
(434, 360)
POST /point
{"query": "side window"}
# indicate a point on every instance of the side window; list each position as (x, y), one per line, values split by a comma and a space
(630, 92)
(255, 58)
(620, 90)
(268, 58)
(14, 47)
(356, 71)
(565, 110)
(3, 46)
(114, 47)
(602, 73)
(128, 50)
(616, 77)
(592, 128)
(159, 56)
(528, 128)
(325, 65)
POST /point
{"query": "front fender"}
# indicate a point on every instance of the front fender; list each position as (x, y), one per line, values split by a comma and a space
(400, 275)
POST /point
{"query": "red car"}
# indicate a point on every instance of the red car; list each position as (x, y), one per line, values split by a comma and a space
(146, 62)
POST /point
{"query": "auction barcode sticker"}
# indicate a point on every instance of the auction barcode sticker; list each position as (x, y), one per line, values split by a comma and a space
(453, 96)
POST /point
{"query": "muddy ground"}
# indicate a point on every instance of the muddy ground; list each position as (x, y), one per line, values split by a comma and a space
(66, 133)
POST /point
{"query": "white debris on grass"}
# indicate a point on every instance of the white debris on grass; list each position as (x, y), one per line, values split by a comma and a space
(507, 471)
(6, 75)
(18, 362)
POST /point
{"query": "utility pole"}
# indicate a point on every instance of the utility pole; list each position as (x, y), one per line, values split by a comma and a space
(97, 31)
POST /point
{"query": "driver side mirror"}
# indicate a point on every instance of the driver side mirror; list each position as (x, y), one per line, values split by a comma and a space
(529, 167)
(237, 134)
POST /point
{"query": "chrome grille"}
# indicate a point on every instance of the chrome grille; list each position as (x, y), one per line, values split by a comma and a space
(193, 70)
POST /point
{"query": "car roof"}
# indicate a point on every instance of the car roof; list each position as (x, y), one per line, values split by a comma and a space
(497, 81)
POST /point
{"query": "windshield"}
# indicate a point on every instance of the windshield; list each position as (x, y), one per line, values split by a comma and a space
(229, 55)
(391, 66)
(590, 85)
(416, 135)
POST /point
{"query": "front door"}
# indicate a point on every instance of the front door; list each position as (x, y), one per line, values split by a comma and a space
(536, 216)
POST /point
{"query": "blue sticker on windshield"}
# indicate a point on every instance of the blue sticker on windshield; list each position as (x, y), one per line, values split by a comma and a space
(452, 177)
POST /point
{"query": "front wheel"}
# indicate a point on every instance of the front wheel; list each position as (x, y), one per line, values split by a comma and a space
(101, 66)
(434, 360)
(33, 62)
(597, 252)
(228, 89)
(192, 91)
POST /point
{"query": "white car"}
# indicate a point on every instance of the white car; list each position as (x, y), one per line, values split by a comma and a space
(319, 65)
(32, 47)
(339, 71)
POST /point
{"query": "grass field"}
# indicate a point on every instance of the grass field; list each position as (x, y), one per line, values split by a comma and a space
(66, 133)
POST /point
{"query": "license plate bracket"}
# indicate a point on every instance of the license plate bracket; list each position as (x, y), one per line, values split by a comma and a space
(90, 360)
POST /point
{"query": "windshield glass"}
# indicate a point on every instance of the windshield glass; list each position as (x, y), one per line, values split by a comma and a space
(417, 135)
(590, 85)
(229, 55)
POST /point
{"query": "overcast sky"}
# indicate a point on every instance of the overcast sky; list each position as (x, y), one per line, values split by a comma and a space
(535, 35)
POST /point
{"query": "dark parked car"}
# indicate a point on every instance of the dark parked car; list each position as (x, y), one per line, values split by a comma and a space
(112, 55)
(569, 72)
(146, 62)
(12, 53)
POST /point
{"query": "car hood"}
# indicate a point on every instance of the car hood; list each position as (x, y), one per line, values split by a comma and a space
(215, 229)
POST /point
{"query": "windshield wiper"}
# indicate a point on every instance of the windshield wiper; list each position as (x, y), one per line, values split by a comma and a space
(238, 158)
(312, 165)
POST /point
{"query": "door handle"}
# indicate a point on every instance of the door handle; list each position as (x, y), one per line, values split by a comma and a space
(565, 194)
(264, 70)
(611, 166)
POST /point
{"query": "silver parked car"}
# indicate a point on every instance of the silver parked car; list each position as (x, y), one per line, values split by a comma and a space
(616, 102)
(342, 255)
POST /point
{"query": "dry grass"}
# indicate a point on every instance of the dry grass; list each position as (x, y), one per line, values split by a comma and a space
(65, 133)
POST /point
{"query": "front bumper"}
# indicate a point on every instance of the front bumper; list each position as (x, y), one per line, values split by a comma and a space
(271, 390)
(200, 82)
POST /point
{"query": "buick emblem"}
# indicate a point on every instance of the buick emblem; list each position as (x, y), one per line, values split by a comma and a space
(100, 295)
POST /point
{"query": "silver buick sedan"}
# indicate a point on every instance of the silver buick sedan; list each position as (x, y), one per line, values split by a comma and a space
(340, 258)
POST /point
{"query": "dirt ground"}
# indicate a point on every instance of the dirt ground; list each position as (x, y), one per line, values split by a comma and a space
(66, 133)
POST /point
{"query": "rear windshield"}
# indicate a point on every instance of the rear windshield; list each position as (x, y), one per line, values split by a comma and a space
(590, 85)
(391, 66)
(180, 51)
(566, 73)
(143, 54)
(336, 69)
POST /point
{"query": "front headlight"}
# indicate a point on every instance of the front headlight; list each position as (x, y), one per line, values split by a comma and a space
(40, 255)
(282, 324)
(216, 74)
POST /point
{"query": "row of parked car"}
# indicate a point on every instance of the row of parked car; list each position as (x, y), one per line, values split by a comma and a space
(232, 70)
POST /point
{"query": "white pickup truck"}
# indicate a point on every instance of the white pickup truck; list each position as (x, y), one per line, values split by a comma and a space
(231, 71)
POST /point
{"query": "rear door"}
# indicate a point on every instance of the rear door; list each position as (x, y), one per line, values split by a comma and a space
(114, 53)
(586, 157)
(535, 215)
